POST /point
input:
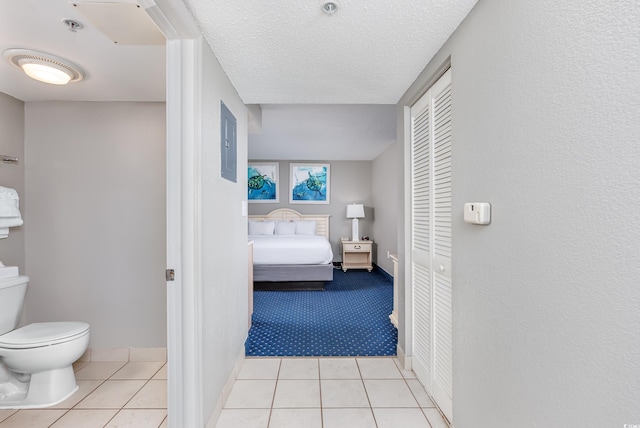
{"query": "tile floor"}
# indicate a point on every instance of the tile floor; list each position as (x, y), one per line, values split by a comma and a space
(327, 393)
(269, 393)
(111, 394)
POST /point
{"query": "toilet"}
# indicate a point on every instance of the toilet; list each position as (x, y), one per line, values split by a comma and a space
(35, 360)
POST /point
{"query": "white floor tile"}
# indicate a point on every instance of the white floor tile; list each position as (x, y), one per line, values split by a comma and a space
(348, 418)
(295, 418)
(85, 387)
(435, 418)
(99, 370)
(162, 373)
(85, 418)
(138, 418)
(138, 370)
(260, 368)
(389, 393)
(251, 394)
(112, 394)
(407, 374)
(152, 396)
(378, 368)
(4, 414)
(243, 418)
(339, 368)
(299, 368)
(297, 393)
(32, 418)
(343, 393)
(269, 393)
(419, 393)
(400, 418)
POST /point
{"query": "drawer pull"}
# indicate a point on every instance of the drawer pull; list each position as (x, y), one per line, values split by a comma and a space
(357, 247)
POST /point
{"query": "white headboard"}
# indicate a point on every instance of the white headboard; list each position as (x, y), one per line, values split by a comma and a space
(286, 214)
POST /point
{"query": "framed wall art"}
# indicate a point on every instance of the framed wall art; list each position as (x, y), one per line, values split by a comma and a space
(309, 183)
(263, 182)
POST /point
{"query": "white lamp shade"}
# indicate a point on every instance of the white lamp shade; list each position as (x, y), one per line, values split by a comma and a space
(355, 211)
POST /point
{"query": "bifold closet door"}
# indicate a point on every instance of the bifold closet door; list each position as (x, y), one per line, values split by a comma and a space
(431, 241)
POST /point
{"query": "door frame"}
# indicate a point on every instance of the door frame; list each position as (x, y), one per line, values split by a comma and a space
(184, 314)
(405, 232)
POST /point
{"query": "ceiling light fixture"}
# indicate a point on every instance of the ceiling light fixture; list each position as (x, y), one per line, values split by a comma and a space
(329, 8)
(44, 67)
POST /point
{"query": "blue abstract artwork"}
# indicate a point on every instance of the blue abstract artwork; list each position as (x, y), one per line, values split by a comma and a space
(309, 184)
(262, 182)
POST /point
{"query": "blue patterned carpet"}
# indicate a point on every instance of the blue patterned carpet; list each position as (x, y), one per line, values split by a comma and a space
(349, 318)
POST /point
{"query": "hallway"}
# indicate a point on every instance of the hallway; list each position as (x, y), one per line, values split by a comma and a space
(371, 392)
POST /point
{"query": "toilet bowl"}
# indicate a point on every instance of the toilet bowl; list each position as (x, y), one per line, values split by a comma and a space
(36, 360)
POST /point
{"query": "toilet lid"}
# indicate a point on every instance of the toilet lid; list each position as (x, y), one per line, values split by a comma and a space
(42, 334)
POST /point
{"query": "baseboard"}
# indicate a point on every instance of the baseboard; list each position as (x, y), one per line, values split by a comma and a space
(226, 390)
(405, 361)
(125, 354)
(383, 272)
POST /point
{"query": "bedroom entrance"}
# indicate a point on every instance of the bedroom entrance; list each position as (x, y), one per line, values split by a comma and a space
(347, 316)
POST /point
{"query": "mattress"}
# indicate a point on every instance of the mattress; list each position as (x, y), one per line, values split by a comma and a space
(291, 250)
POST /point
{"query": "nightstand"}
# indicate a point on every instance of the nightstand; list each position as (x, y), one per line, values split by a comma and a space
(356, 255)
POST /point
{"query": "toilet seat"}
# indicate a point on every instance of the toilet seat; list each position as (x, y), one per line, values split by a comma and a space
(43, 334)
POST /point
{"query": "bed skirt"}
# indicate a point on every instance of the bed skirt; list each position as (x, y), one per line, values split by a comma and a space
(297, 273)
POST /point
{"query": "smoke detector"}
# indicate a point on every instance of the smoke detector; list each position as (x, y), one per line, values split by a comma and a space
(44, 67)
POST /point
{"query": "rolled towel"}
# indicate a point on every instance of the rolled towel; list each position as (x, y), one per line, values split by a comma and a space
(9, 202)
(9, 211)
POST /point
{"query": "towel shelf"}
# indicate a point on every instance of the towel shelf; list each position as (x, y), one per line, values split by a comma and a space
(9, 159)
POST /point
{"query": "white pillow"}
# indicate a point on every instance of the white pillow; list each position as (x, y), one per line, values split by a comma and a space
(285, 228)
(261, 227)
(305, 227)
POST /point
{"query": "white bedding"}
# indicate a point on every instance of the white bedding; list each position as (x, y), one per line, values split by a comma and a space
(290, 250)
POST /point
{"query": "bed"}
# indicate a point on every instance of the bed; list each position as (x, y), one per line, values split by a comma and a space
(290, 250)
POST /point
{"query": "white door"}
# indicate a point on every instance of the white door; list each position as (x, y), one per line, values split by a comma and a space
(431, 241)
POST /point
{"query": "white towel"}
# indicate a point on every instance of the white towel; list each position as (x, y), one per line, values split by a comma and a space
(9, 210)
(10, 222)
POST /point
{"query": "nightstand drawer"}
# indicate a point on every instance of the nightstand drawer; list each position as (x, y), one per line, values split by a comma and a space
(357, 255)
(364, 247)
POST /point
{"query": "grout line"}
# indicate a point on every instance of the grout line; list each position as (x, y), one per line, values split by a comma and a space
(275, 388)
(320, 389)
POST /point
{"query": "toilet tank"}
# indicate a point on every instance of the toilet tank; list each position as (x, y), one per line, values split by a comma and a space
(12, 291)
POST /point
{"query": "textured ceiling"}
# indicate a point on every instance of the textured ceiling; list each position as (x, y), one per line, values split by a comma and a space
(315, 76)
(288, 52)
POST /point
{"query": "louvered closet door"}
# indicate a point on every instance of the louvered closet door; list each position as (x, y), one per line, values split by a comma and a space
(431, 241)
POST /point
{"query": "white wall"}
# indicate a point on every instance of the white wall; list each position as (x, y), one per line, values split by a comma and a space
(12, 175)
(545, 128)
(385, 200)
(223, 255)
(95, 219)
(350, 182)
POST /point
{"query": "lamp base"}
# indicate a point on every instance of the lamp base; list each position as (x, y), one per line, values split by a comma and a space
(354, 230)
